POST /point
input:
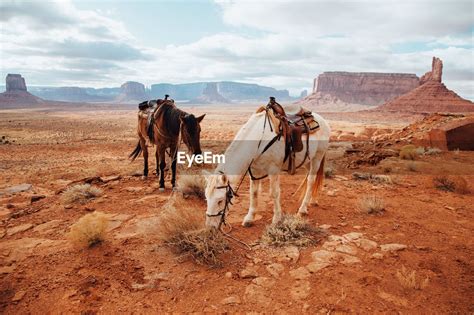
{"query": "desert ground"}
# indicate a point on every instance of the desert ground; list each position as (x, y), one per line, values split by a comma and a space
(428, 268)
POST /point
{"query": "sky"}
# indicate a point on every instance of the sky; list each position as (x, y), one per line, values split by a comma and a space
(283, 44)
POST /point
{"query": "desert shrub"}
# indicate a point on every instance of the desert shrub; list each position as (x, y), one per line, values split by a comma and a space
(387, 169)
(183, 230)
(80, 193)
(89, 230)
(409, 280)
(408, 152)
(192, 185)
(291, 230)
(381, 179)
(329, 171)
(412, 166)
(372, 204)
(444, 183)
(433, 151)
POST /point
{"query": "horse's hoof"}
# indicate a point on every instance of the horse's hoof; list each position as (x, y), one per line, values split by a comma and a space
(247, 223)
(161, 189)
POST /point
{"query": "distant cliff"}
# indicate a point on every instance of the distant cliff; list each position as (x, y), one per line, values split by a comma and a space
(367, 88)
(16, 92)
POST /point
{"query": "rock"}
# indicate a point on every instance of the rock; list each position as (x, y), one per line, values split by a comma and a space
(264, 282)
(300, 274)
(346, 249)
(15, 82)
(289, 253)
(323, 256)
(17, 188)
(161, 276)
(257, 294)
(47, 227)
(275, 269)
(436, 73)
(377, 256)
(340, 178)
(19, 228)
(366, 244)
(352, 236)
(68, 206)
(36, 198)
(325, 226)
(231, 300)
(392, 247)
(300, 290)
(134, 189)
(7, 269)
(210, 95)
(228, 274)
(142, 286)
(349, 260)
(249, 272)
(132, 92)
(331, 193)
(107, 179)
(18, 296)
(336, 239)
(315, 266)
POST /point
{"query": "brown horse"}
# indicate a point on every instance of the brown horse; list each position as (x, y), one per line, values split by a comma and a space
(162, 126)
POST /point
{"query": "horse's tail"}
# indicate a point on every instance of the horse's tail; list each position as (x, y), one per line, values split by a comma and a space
(317, 184)
(136, 152)
(150, 130)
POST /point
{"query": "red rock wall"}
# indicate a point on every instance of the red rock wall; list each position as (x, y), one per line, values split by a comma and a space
(365, 87)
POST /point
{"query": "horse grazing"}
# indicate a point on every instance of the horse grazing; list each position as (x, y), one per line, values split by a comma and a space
(259, 150)
(162, 123)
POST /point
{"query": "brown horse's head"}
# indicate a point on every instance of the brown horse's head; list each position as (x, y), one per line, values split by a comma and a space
(191, 132)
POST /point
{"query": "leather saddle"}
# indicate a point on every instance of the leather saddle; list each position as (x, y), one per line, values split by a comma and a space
(154, 104)
(292, 128)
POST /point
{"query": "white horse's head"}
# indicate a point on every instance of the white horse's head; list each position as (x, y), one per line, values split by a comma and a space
(216, 196)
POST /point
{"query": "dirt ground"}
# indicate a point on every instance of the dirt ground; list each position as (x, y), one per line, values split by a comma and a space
(41, 272)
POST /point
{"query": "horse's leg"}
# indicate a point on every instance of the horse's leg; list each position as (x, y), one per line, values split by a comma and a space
(145, 157)
(313, 174)
(162, 155)
(157, 160)
(173, 165)
(254, 191)
(275, 193)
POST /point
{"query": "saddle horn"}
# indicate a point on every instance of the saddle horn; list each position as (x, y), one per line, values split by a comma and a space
(166, 97)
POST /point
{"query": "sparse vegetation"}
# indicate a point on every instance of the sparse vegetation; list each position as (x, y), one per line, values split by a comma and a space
(412, 166)
(433, 151)
(408, 152)
(183, 229)
(381, 179)
(80, 193)
(372, 204)
(329, 171)
(387, 169)
(192, 185)
(444, 183)
(409, 280)
(89, 230)
(292, 230)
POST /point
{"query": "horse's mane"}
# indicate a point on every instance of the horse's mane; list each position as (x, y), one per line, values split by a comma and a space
(166, 114)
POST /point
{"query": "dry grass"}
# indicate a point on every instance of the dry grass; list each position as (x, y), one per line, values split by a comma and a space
(183, 229)
(372, 204)
(452, 183)
(80, 193)
(409, 280)
(89, 230)
(192, 185)
(381, 179)
(291, 230)
(329, 171)
(433, 151)
(408, 152)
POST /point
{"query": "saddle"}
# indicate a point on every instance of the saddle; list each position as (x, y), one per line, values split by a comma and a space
(292, 128)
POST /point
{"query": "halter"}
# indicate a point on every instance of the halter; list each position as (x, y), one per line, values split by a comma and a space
(229, 194)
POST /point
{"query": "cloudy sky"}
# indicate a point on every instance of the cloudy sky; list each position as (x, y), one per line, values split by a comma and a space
(283, 44)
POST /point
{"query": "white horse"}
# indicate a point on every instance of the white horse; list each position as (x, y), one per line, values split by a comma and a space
(246, 150)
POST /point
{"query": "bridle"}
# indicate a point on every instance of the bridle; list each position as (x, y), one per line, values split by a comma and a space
(229, 194)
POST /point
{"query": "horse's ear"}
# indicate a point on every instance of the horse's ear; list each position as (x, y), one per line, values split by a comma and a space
(200, 118)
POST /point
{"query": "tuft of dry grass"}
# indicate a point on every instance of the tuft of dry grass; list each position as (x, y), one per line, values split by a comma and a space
(192, 185)
(329, 171)
(444, 183)
(408, 152)
(381, 179)
(80, 193)
(89, 230)
(291, 230)
(372, 204)
(433, 151)
(183, 230)
(409, 280)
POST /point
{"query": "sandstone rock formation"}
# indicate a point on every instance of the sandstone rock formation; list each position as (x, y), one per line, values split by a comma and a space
(210, 95)
(132, 92)
(366, 88)
(304, 93)
(436, 72)
(15, 82)
(16, 93)
(431, 96)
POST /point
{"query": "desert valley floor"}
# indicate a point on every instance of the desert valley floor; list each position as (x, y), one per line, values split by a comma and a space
(41, 272)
